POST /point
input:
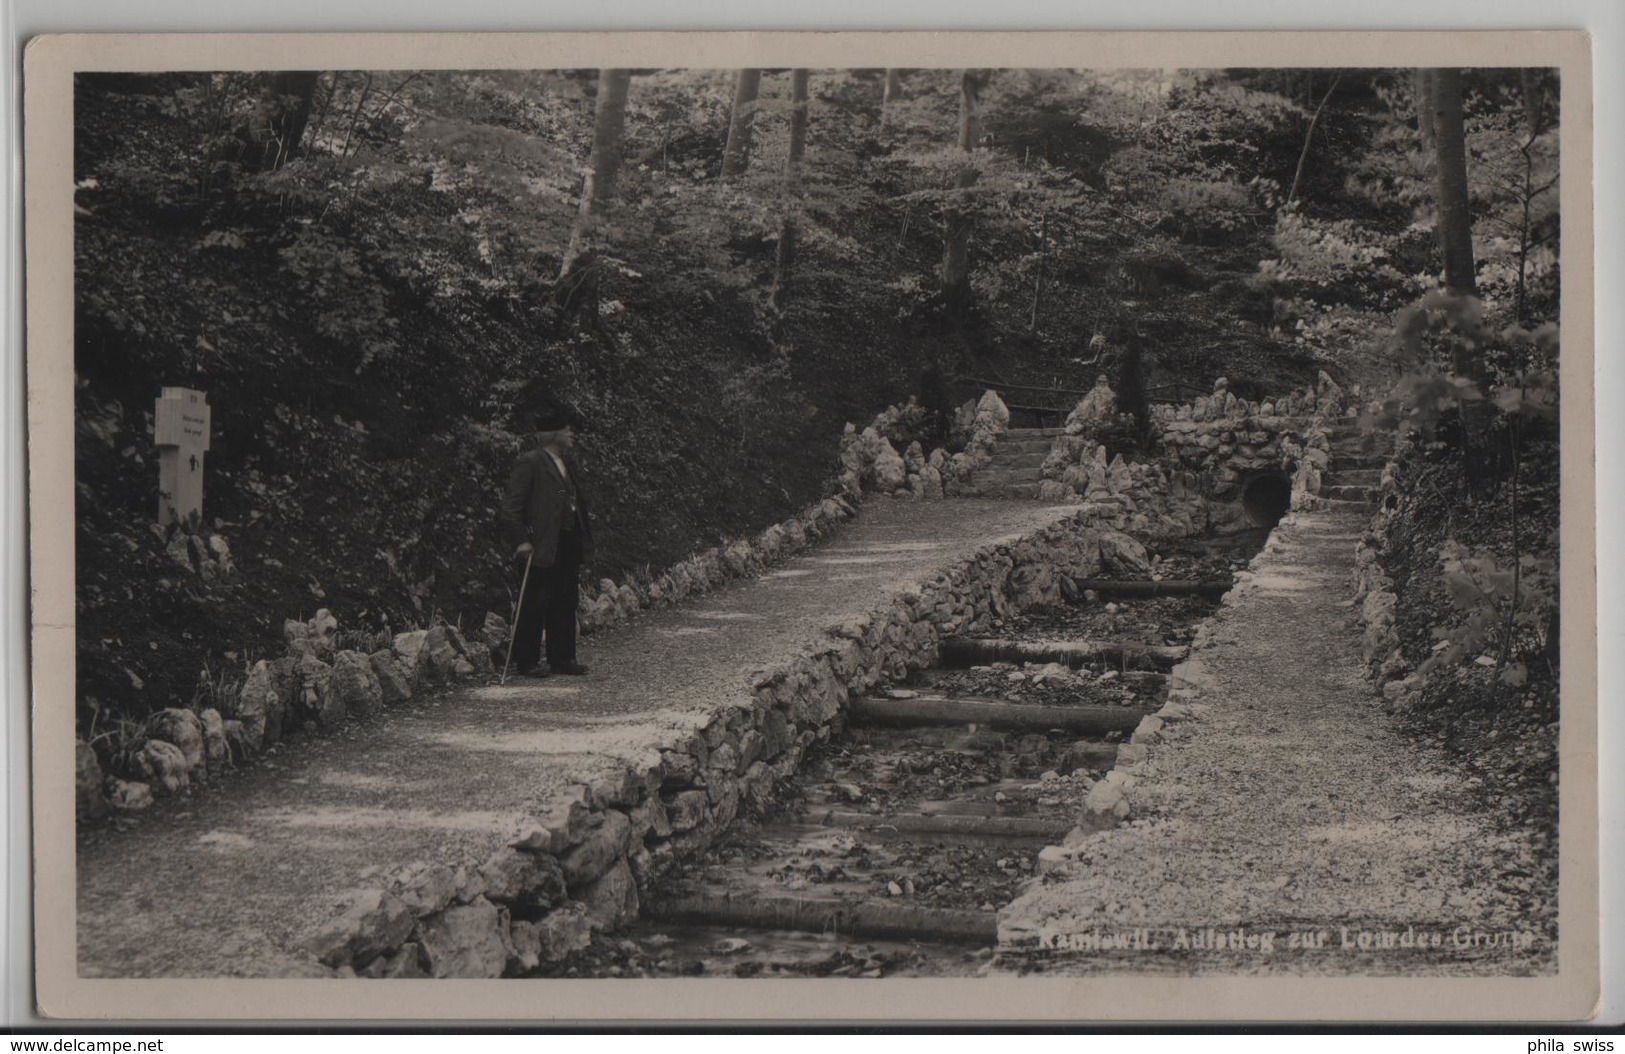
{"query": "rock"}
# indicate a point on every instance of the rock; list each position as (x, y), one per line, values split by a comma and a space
(992, 418)
(184, 729)
(180, 552)
(394, 687)
(563, 930)
(888, 471)
(526, 881)
(410, 652)
(752, 745)
(569, 819)
(355, 684)
(1105, 806)
(525, 942)
(164, 767)
(1096, 409)
(494, 632)
(687, 810)
(317, 696)
(650, 817)
(403, 964)
(1119, 480)
(612, 899)
(1122, 555)
(531, 839)
(216, 749)
(130, 797)
(372, 923)
(324, 631)
(89, 801)
(1149, 730)
(427, 889)
(725, 759)
(1132, 753)
(598, 851)
(440, 654)
(467, 941)
(260, 707)
(473, 660)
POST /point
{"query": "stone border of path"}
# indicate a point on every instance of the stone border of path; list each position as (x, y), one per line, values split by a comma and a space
(1111, 802)
(320, 685)
(576, 868)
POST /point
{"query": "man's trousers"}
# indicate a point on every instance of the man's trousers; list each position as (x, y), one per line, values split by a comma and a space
(548, 608)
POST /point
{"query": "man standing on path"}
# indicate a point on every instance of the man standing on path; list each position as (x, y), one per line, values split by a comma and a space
(544, 518)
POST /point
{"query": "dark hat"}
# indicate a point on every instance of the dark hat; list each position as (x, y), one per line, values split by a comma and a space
(552, 419)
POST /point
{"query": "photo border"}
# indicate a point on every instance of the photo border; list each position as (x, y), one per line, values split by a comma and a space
(50, 64)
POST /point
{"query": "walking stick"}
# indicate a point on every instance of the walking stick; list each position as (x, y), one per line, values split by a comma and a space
(513, 629)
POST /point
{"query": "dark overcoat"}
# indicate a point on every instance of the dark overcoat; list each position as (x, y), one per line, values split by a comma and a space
(536, 505)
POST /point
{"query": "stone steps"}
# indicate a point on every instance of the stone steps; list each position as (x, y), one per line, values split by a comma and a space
(1349, 493)
(1353, 477)
(1358, 462)
(1022, 446)
(996, 476)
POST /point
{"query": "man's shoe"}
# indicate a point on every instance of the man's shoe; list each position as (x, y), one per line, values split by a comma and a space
(570, 669)
(537, 672)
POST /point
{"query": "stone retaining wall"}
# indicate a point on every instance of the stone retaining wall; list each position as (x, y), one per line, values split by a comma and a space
(1210, 449)
(319, 684)
(582, 866)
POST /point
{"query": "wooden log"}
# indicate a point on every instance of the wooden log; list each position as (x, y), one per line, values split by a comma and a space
(976, 651)
(1142, 679)
(1136, 588)
(945, 825)
(848, 918)
(994, 713)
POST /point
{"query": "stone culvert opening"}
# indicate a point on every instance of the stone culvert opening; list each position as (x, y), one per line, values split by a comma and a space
(1266, 498)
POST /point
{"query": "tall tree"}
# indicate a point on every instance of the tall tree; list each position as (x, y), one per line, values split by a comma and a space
(1455, 221)
(277, 127)
(741, 124)
(609, 127)
(1422, 89)
(893, 92)
(1308, 138)
(785, 256)
(956, 248)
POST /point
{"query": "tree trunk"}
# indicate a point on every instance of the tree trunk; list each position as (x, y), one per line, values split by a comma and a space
(893, 92)
(576, 274)
(736, 155)
(277, 129)
(1308, 138)
(784, 257)
(1455, 221)
(956, 250)
(1422, 87)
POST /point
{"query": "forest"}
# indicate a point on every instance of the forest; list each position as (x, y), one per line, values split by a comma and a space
(376, 275)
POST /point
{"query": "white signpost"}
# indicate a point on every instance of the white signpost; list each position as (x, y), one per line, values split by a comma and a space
(181, 432)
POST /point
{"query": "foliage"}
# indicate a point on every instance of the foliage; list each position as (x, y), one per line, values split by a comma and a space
(372, 310)
(1507, 612)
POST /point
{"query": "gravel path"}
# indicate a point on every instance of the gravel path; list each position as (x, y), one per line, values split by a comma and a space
(224, 882)
(1289, 827)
